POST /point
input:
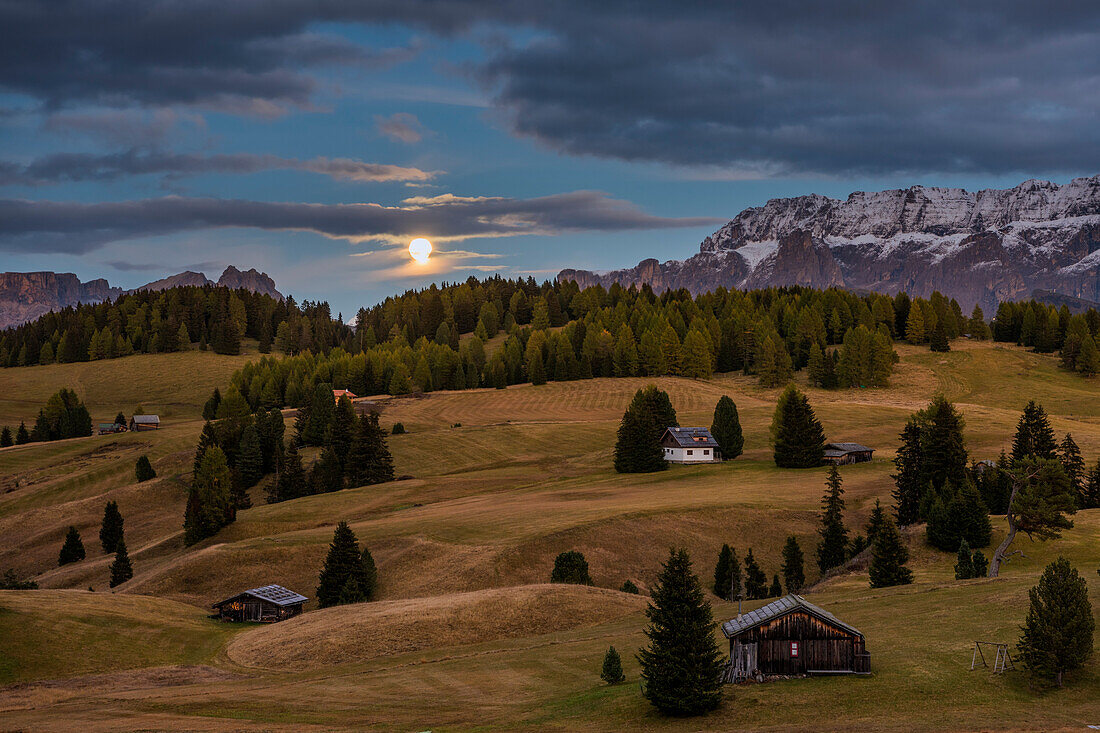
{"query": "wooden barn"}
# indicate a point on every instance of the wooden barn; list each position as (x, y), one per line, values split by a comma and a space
(144, 422)
(265, 604)
(792, 636)
(841, 454)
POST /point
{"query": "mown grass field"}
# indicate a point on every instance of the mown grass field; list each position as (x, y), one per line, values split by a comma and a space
(467, 538)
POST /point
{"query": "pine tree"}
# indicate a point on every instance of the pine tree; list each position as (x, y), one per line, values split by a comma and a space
(6, 439)
(964, 562)
(756, 582)
(612, 672)
(681, 665)
(1072, 463)
(726, 429)
(209, 503)
(888, 559)
(776, 589)
(1034, 436)
(121, 569)
(876, 522)
(344, 563)
(110, 530)
(571, 567)
(832, 549)
(1058, 632)
(1040, 500)
(799, 439)
(73, 549)
(143, 470)
(794, 573)
(723, 574)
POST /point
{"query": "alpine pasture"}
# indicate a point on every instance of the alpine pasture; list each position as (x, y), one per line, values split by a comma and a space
(466, 634)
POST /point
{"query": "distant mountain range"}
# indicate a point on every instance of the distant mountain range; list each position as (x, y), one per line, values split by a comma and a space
(24, 296)
(982, 247)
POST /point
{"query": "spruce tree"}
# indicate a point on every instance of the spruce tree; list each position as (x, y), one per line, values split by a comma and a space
(681, 664)
(350, 592)
(210, 409)
(973, 517)
(943, 449)
(570, 567)
(726, 429)
(1089, 496)
(6, 439)
(110, 530)
(143, 470)
(799, 439)
(636, 448)
(369, 460)
(209, 503)
(723, 574)
(939, 341)
(908, 481)
(344, 563)
(121, 570)
(73, 548)
(321, 409)
(888, 558)
(1058, 632)
(776, 589)
(756, 582)
(964, 562)
(794, 572)
(832, 549)
(612, 672)
(1072, 463)
(291, 482)
(22, 436)
(250, 466)
(875, 522)
(1034, 436)
(979, 564)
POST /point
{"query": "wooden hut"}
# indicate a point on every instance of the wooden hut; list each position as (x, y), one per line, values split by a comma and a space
(144, 422)
(268, 603)
(792, 636)
(841, 454)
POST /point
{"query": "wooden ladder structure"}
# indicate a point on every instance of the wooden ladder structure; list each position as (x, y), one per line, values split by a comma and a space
(1002, 661)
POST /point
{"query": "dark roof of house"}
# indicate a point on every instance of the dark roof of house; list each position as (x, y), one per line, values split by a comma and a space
(146, 419)
(691, 437)
(276, 594)
(776, 609)
(838, 449)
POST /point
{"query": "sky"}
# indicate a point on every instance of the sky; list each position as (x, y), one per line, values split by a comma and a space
(313, 139)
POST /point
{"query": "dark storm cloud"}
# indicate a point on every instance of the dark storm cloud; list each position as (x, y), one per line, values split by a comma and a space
(77, 228)
(63, 167)
(760, 88)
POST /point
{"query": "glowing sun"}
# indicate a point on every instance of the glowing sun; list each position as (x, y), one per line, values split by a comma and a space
(420, 249)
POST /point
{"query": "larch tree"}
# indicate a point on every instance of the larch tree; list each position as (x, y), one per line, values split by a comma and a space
(681, 663)
(1058, 632)
(833, 546)
(726, 429)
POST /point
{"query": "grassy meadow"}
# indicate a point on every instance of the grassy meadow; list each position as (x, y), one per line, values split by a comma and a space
(466, 635)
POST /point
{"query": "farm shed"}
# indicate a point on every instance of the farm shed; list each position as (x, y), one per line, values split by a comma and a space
(689, 445)
(144, 422)
(268, 603)
(793, 636)
(841, 454)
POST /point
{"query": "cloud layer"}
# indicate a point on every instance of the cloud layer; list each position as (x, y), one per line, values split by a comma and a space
(66, 167)
(783, 87)
(78, 228)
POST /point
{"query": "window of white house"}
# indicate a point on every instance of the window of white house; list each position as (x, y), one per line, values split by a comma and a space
(706, 452)
(689, 453)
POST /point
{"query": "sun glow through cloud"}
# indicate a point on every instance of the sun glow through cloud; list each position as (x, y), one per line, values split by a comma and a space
(420, 249)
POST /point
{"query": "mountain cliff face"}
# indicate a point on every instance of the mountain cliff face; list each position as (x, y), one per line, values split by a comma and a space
(25, 296)
(981, 247)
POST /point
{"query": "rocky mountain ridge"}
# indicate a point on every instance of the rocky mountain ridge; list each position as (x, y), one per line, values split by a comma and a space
(978, 247)
(25, 296)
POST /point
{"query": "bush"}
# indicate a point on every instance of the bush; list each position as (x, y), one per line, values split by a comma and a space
(628, 587)
(570, 567)
(398, 428)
